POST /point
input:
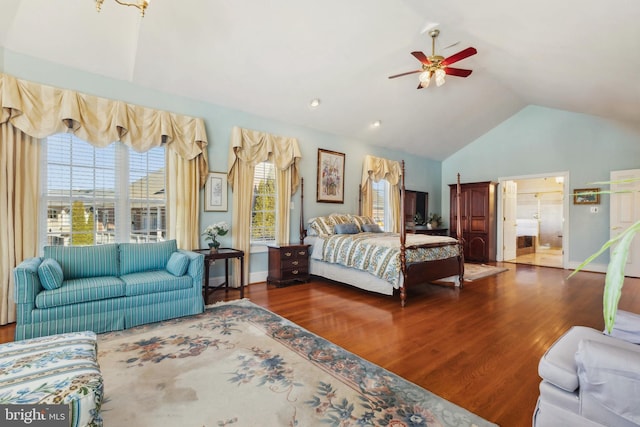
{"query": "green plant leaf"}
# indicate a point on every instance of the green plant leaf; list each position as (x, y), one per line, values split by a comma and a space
(600, 251)
(617, 181)
(615, 275)
(614, 279)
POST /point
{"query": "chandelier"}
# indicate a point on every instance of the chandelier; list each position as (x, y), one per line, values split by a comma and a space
(141, 5)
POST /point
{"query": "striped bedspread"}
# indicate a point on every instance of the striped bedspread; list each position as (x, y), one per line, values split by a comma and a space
(379, 253)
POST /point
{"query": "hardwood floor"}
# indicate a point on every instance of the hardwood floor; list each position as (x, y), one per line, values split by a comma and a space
(478, 346)
(542, 258)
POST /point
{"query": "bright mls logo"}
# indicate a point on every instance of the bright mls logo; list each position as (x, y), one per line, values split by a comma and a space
(34, 415)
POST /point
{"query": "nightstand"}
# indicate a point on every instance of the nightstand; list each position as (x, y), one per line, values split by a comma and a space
(288, 264)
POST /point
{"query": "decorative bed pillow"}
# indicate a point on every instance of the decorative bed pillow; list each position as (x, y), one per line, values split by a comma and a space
(50, 274)
(178, 264)
(360, 220)
(323, 225)
(371, 228)
(346, 229)
(340, 218)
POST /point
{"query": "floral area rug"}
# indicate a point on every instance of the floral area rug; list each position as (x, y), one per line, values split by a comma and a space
(238, 364)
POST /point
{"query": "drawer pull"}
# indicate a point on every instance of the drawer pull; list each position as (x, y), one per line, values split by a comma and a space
(294, 262)
(302, 253)
(287, 254)
(295, 272)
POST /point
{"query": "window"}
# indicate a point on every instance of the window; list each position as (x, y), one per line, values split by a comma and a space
(380, 202)
(94, 196)
(263, 211)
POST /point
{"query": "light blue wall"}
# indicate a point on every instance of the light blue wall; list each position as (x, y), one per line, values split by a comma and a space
(422, 174)
(538, 140)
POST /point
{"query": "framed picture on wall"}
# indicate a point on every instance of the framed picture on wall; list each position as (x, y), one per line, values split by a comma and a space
(215, 192)
(330, 177)
(586, 196)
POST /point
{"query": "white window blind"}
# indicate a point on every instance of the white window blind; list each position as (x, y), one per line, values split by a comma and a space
(95, 196)
(380, 202)
(263, 212)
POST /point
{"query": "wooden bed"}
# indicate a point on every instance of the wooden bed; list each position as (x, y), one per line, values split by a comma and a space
(412, 273)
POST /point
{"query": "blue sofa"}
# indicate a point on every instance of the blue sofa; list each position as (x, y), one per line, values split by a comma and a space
(106, 287)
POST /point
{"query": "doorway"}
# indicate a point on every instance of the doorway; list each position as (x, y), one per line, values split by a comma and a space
(625, 211)
(533, 228)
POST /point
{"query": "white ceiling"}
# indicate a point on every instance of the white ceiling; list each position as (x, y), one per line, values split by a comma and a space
(271, 57)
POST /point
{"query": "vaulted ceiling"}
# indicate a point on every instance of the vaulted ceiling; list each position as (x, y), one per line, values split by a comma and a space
(272, 57)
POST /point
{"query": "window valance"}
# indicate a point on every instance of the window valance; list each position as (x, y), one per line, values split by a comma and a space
(40, 111)
(253, 147)
(377, 168)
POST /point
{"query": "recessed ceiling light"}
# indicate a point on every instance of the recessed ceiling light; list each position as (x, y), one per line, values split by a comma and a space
(314, 103)
(376, 124)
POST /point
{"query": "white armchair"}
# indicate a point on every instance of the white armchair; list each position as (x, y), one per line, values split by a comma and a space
(591, 379)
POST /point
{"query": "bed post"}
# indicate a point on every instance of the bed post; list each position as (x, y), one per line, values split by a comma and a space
(403, 239)
(459, 232)
(302, 230)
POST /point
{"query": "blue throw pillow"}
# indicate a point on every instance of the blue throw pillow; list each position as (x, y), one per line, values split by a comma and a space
(50, 274)
(178, 264)
(346, 229)
(371, 228)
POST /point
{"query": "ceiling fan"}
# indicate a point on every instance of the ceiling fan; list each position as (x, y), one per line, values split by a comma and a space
(438, 66)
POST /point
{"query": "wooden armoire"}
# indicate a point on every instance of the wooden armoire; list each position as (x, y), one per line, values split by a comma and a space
(477, 218)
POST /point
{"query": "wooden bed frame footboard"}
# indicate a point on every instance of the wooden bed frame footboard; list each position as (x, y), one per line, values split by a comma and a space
(418, 272)
(427, 271)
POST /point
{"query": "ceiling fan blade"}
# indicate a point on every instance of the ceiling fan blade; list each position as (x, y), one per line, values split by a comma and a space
(459, 72)
(405, 74)
(460, 56)
(451, 45)
(421, 57)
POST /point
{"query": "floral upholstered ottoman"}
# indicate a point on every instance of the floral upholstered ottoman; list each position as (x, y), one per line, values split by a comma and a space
(55, 369)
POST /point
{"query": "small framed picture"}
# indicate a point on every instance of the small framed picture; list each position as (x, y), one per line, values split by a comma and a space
(215, 192)
(330, 177)
(586, 196)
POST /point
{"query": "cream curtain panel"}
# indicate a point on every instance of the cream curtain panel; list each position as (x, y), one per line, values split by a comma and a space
(183, 200)
(19, 177)
(247, 149)
(31, 111)
(373, 170)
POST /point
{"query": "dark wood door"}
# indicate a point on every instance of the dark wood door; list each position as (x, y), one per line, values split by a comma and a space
(477, 219)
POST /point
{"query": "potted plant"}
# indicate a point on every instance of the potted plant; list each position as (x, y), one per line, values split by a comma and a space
(213, 231)
(614, 278)
(434, 220)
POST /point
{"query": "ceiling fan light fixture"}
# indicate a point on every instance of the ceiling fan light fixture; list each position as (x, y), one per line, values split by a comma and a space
(437, 66)
(440, 77)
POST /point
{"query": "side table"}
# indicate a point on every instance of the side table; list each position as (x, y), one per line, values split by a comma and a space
(288, 264)
(226, 254)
